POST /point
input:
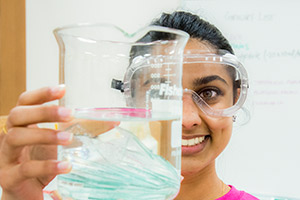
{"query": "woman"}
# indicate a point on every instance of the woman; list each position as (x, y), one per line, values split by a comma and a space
(212, 95)
(198, 160)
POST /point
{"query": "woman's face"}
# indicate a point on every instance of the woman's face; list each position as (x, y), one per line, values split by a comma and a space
(197, 126)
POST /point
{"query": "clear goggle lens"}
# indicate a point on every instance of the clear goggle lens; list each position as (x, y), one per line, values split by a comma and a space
(155, 77)
(218, 82)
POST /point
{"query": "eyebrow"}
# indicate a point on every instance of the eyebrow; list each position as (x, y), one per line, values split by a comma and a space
(207, 79)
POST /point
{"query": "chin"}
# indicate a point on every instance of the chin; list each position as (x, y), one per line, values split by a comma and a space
(190, 166)
(187, 173)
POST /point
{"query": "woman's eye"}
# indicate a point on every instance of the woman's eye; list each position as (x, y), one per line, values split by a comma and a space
(208, 94)
(211, 95)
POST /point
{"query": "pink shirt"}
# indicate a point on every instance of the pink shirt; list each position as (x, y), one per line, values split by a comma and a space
(235, 194)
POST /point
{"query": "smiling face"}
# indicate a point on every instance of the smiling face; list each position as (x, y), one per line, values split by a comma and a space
(204, 137)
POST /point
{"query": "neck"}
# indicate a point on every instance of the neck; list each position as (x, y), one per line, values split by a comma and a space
(203, 185)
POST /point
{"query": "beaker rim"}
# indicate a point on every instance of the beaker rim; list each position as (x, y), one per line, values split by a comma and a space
(60, 31)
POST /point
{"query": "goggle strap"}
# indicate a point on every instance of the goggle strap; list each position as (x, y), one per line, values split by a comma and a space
(117, 84)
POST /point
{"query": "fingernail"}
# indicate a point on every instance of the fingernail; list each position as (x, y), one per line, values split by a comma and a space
(64, 113)
(64, 136)
(57, 89)
(64, 166)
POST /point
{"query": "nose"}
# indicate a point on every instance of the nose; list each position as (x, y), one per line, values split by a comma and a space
(191, 118)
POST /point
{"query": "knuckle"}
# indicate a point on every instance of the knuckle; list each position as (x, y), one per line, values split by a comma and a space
(45, 94)
(13, 113)
(22, 98)
(48, 137)
(48, 91)
(25, 169)
(12, 136)
(52, 137)
(51, 111)
(48, 166)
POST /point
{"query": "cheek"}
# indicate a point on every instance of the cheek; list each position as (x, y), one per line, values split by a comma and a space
(219, 123)
(221, 129)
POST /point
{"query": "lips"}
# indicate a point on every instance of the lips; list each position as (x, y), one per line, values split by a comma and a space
(194, 145)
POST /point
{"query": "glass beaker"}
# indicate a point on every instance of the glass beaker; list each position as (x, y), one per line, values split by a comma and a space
(125, 90)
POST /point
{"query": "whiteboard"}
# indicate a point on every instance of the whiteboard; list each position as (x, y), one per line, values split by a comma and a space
(263, 155)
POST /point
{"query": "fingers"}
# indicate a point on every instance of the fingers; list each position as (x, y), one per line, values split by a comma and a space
(26, 115)
(17, 162)
(31, 136)
(36, 168)
(30, 110)
(32, 169)
(19, 137)
(41, 95)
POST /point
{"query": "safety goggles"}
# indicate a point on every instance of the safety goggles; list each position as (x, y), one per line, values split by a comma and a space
(216, 82)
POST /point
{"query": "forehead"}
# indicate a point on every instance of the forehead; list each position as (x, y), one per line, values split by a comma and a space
(193, 71)
(199, 45)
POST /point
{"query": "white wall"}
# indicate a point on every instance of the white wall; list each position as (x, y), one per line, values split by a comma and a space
(42, 16)
(263, 156)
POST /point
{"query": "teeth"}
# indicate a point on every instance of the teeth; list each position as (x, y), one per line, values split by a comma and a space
(184, 142)
(192, 142)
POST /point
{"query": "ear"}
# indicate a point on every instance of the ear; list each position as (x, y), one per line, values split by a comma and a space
(237, 95)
